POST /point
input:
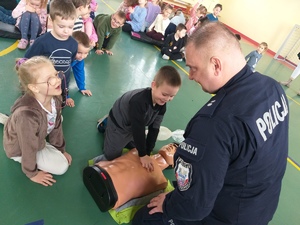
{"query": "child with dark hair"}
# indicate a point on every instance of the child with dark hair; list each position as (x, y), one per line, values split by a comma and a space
(174, 44)
(177, 19)
(82, 8)
(108, 28)
(135, 110)
(216, 11)
(78, 64)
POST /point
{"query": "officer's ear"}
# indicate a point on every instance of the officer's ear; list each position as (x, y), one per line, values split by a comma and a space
(217, 65)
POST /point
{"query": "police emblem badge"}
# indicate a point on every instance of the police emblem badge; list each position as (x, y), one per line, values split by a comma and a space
(183, 173)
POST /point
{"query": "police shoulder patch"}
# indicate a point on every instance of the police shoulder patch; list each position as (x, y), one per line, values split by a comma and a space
(183, 173)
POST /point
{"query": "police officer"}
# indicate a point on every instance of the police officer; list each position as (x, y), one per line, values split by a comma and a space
(230, 166)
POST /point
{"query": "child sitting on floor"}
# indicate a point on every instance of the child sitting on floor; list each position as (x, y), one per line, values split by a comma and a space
(35, 116)
(153, 9)
(137, 16)
(174, 43)
(158, 27)
(127, 5)
(31, 18)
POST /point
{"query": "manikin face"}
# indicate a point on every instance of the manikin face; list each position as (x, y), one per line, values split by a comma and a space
(62, 28)
(82, 52)
(163, 93)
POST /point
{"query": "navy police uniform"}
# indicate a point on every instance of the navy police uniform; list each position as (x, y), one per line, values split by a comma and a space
(230, 166)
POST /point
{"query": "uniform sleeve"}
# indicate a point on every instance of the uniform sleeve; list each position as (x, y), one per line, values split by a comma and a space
(201, 162)
(79, 74)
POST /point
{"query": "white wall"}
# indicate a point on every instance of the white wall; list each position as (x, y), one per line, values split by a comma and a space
(262, 20)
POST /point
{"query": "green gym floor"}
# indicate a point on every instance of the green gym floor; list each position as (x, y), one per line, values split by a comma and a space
(132, 66)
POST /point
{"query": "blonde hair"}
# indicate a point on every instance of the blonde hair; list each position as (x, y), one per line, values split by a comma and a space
(202, 9)
(43, 3)
(28, 70)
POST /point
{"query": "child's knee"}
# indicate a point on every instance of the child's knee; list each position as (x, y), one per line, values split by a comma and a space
(62, 168)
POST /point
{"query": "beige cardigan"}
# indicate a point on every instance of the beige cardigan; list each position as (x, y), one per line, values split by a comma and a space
(159, 25)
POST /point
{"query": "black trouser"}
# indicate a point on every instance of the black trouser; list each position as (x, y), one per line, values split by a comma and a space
(173, 56)
(127, 28)
(142, 217)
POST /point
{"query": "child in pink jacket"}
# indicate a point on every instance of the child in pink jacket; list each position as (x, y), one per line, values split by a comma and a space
(31, 18)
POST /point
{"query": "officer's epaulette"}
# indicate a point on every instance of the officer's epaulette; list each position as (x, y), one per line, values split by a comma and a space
(209, 108)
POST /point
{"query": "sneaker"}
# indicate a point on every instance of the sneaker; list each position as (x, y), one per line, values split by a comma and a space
(179, 60)
(3, 118)
(23, 44)
(102, 124)
(165, 57)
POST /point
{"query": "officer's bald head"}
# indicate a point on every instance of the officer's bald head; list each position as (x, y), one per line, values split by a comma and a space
(214, 37)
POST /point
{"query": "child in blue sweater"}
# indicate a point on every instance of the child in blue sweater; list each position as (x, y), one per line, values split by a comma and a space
(78, 64)
(253, 57)
(137, 16)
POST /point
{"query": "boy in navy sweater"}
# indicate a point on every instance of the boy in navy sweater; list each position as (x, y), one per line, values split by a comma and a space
(58, 44)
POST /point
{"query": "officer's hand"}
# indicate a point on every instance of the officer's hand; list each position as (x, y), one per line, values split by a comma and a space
(147, 163)
(156, 203)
